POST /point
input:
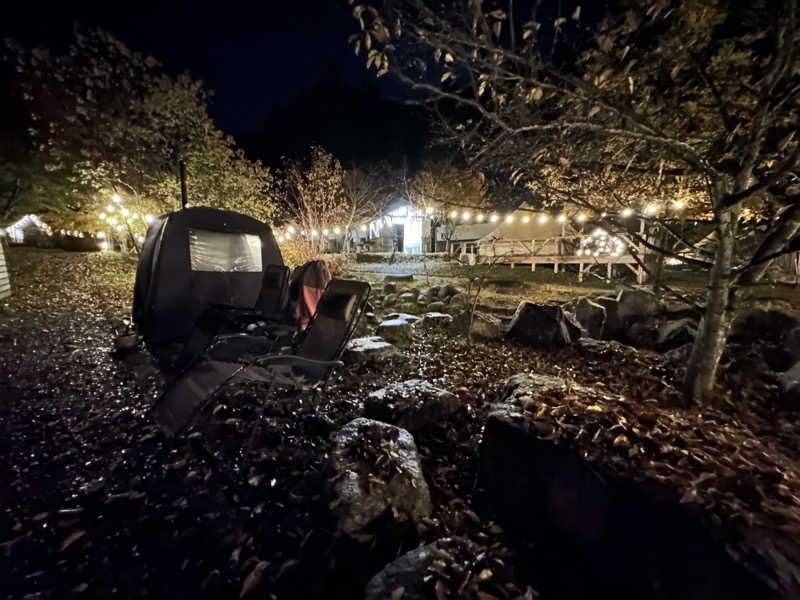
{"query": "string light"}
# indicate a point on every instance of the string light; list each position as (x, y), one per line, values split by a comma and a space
(494, 218)
(542, 219)
(581, 217)
(479, 218)
(562, 218)
(110, 208)
(102, 216)
(291, 229)
(465, 216)
(627, 212)
(509, 218)
(677, 205)
(651, 209)
(117, 198)
(525, 219)
(148, 219)
(453, 214)
(125, 212)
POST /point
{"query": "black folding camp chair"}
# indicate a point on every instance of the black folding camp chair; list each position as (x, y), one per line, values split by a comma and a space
(307, 365)
(217, 319)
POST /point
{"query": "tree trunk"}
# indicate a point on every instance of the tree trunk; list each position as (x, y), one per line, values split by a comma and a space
(713, 331)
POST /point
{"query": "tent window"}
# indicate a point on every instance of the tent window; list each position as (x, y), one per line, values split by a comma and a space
(224, 252)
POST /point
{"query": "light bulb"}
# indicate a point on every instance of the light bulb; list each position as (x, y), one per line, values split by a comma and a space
(543, 219)
(562, 218)
(510, 219)
(465, 216)
(117, 198)
(627, 212)
(581, 217)
(493, 219)
(148, 219)
(525, 219)
(102, 216)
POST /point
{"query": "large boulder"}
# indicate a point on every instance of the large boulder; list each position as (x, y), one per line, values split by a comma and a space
(376, 469)
(790, 387)
(542, 325)
(413, 404)
(396, 331)
(613, 328)
(637, 305)
(370, 349)
(635, 537)
(673, 334)
(446, 291)
(436, 320)
(408, 297)
(771, 325)
(643, 334)
(591, 316)
(485, 327)
(437, 306)
(413, 575)
(792, 342)
(390, 299)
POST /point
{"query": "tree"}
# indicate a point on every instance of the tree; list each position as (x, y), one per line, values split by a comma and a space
(313, 200)
(697, 95)
(445, 192)
(367, 192)
(112, 122)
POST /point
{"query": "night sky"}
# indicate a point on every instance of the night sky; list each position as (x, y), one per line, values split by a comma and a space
(282, 71)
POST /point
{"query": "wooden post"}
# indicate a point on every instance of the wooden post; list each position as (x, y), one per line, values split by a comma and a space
(608, 271)
(555, 266)
(182, 167)
(580, 272)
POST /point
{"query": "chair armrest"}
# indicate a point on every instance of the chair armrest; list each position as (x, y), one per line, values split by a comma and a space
(294, 360)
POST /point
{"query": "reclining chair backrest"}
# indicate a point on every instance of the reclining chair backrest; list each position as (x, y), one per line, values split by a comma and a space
(336, 318)
(274, 290)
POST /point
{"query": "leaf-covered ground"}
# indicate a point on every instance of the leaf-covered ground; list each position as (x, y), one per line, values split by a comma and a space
(94, 502)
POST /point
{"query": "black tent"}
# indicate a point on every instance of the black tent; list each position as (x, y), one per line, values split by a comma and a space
(192, 259)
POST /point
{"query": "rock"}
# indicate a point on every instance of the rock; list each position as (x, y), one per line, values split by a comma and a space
(399, 277)
(637, 305)
(411, 572)
(376, 468)
(437, 306)
(408, 297)
(634, 530)
(613, 329)
(541, 325)
(643, 334)
(761, 324)
(446, 291)
(368, 349)
(792, 343)
(403, 316)
(396, 331)
(436, 320)
(484, 327)
(390, 299)
(409, 307)
(672, 334)
(371, 318)
(412, 405)
(591, 316)
(606, 348)
(390, 287)
(458, 298)
(523, 388)
(790, 387)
